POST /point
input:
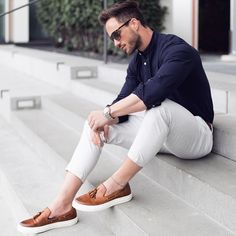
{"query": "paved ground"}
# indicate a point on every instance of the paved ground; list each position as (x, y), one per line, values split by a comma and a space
(211, 62)
(215, 64)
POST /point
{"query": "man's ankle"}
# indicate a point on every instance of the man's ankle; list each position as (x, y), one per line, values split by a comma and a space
(58, 209)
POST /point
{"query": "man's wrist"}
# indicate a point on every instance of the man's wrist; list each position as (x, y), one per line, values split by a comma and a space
(107, 113)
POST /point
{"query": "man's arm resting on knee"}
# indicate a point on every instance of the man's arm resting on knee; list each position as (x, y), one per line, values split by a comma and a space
(125, 106)
(130, 104)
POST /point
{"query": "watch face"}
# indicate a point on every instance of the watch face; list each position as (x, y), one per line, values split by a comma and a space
(106, 113)
(106, 110)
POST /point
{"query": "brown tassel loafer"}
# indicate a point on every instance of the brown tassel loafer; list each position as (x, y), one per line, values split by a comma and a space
(90, 202)
(41, 222)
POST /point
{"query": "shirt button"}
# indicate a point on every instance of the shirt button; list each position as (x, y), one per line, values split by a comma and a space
(145, 63)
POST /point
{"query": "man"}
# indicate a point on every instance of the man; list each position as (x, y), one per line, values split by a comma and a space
(164, 105)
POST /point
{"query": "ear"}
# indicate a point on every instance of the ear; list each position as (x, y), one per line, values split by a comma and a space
(135, 24)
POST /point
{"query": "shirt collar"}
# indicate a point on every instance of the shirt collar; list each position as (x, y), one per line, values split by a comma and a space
(150, 46)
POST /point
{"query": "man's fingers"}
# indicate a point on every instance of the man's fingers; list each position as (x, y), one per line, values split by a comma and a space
(106, 130)
(95, 137)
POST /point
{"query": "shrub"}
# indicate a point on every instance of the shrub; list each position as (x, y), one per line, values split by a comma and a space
(73, 24)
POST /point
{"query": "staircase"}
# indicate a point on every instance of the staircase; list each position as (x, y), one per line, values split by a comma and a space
(171, 196)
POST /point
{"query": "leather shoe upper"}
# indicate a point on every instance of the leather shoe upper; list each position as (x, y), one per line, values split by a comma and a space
(91, 198)
(42, 218)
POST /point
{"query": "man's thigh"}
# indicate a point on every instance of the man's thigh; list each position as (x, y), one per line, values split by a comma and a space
(189, 136)
(123, 134)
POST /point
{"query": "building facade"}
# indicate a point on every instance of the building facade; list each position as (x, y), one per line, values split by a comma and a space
(16, 25)
(209, 26)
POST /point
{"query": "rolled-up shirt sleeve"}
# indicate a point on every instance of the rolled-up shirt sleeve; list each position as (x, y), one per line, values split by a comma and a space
(129, 86)
(177, 65)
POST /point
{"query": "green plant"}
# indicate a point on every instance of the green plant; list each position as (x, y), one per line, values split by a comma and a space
(73, 24)
(1, 22)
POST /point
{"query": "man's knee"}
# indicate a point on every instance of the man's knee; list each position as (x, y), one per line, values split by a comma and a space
(161, 112)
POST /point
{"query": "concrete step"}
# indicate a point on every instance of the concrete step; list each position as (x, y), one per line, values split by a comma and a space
(223, 91)
(95, 91)
(158, 211)
(219, 65)
(20, 83)
(223, 85)
(109, 98)
(214, 175)
(21, 91)
(12, 52)
(225, 135)
(95, 87)
(59, 69)
(8, 217)
(112, 73)
(30, 181)
(105, 92)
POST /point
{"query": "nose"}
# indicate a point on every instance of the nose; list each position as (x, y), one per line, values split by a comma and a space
(116, 43)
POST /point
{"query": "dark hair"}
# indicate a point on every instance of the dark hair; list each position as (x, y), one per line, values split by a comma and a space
(122, 11)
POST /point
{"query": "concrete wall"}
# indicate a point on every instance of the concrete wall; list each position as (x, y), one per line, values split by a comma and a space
(17, 23)
(182, 19)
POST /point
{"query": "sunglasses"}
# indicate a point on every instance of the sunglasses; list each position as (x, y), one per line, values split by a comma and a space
(115, 35)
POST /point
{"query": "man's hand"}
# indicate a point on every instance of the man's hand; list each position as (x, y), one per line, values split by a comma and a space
(96, 120)
(97, 137)
(99, 127)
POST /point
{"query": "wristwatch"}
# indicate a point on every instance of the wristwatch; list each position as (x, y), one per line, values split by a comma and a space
(107, 113)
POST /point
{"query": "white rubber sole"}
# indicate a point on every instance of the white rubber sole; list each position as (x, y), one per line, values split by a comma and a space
(40, 229)
(92, 208)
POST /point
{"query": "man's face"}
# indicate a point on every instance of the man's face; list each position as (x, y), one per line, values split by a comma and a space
(123, 35)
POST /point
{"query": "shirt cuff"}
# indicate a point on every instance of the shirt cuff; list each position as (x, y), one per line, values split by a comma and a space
(139, 94)
(123, 118)
(149, 103)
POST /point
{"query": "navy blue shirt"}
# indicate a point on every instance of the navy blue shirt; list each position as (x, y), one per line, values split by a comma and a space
(169, 68)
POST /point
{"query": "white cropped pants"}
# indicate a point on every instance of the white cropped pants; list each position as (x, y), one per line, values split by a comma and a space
(168, 128)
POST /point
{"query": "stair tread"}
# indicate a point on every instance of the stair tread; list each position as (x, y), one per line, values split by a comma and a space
(21, 84)
(157, 210)
(216, 170)
(71, 131)
(222, 122)
(214, 174)
(102, 85)
(226, 123)
(7, 220)
(205, 166)
(225, 136)
(33, 187)
(49, 56)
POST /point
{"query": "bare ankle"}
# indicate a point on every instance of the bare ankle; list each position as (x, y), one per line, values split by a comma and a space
(121, 184)
(59, 208)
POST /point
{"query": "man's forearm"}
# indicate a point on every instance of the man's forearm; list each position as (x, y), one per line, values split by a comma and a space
(128, 105)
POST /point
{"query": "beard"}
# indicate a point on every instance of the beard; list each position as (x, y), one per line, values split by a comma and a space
(133, 44)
